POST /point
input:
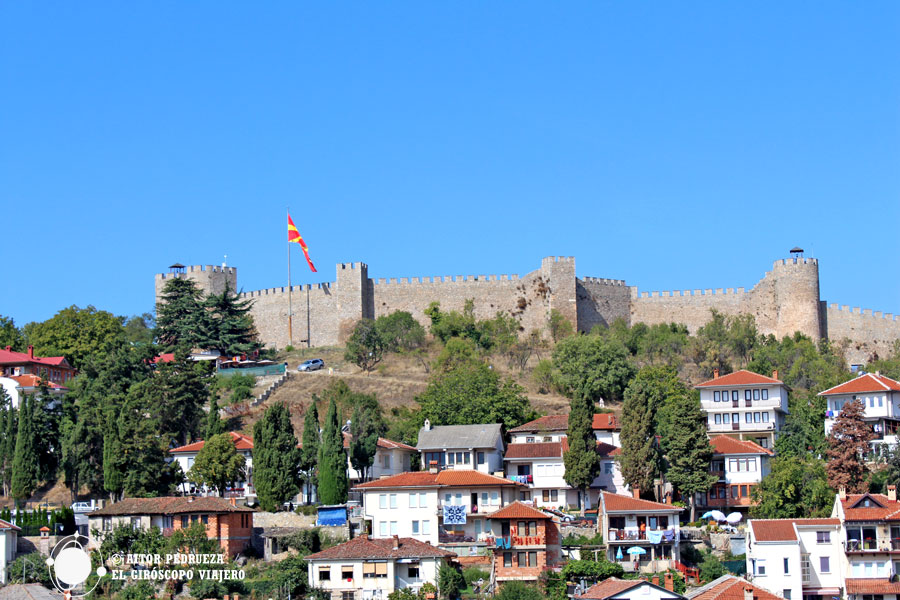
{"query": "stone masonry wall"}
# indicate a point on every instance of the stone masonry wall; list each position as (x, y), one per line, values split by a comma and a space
(871, 335)
(210, 279)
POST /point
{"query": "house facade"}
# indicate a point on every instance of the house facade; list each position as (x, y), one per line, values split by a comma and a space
(225, 521)
(391, 458)
(527, 544)
(476, 447)
(880, 397)
(9, 535)
(367, 568)
(17, 386)
(796, 559)
(740, 466)
(745, 405)
(186, 455)
(626, 522)
(52, 368)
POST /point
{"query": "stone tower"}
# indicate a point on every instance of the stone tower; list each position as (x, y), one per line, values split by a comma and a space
(210, 279)
(351, 289)
(560, 270)
(796, 297)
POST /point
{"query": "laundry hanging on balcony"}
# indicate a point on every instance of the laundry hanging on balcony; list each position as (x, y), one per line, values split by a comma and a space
(655, 537)
(454, 515)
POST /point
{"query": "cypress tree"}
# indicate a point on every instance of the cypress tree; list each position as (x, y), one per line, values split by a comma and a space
(364, 434)
(113, 478)
(214, 424)
(26, 467)
(9, 448)
(689, 450)
(641, 456)
(275, 458)
(309, 454)
(333, 481)
(581, 461)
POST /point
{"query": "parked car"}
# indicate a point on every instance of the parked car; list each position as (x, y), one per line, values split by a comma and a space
(313, 364)
(82, 507)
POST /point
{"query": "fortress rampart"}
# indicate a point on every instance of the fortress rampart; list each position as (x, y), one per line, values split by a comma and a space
(785, 300)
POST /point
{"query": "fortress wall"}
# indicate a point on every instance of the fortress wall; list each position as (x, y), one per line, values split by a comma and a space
(270, 313)
(690, 307)
(210, 279)
(602, 301)
(871, 335)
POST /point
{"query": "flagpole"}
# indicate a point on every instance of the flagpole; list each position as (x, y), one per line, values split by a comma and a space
(290, 290)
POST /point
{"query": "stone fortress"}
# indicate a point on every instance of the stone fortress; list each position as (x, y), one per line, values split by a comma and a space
(785, 300)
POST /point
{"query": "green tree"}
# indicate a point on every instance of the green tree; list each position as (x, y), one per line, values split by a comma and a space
(582, 463)
(518, 590)
(309, 453)
(25, 466)
(113, 462)
(848, 447)
(77, 333)
(141, 463)
(275, 458)
(180, 388)
(796, 487)
(217, 464)
(450, 581)
(803, 433)
(399, 332)
(711, 568)
(180, 317)
(139, 329)
(214, 423)
(10, 425)
(599, 365)
(592, 570)
(641, 458)
(559, 326)
(688, 450)
(365, 348)
(227, 325)
(364, 433)
(446, 325)
(10, 335)
(709, 348)
(333, 482)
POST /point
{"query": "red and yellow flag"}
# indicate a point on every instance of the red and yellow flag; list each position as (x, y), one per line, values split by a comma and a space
(294, 236)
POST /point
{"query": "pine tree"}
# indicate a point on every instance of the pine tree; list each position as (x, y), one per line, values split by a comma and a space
(113, 475)
(180, 316)
(179, 390)
(275, 458)
(214, 424)
(582, 463)
(641, 458)
(689, 450)
(364, 434)
(333, 481)
(26, 467)
(228, 325)
(309, 454)
(848, 446)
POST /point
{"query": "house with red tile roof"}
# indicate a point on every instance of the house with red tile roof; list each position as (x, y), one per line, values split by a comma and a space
(880, 397)
(745, 405)
(740, 465)
(478, 447)
(186, 455)
(450, 508)
(796, 558)
(17, 386)
(52, 368)
(224, 519)
(632, 589)
(627, 521)
(372, 568)
(528, 543)
(729, 587)
(552, 428)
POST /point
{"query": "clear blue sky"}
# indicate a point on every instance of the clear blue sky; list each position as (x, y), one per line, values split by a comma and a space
(674, 145)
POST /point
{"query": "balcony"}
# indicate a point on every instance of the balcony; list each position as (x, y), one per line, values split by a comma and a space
(516, 541)
(866, 545)
(742, 426)
(725, 502)
(635, 535)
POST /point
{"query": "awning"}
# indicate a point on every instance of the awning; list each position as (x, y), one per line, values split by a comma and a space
(822, 591)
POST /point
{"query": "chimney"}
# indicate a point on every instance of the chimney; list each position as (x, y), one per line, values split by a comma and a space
(190, 498)
(748, 592)
(636, 492)
(396, 543)
(715, 373)
(9, 348)
(30, 351)
(669, 582)
(842, 493)
(234, 502)
(432, 467)
(655, 580)
(892, 493)
(775, 374)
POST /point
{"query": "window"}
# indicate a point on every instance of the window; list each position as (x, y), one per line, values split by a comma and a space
(715, 396)
(480, 458)
(718, 419)
(756, 394)
(786, 594)
(495, 499)
(107, 523)
(524, 496)
(747, 394)
(554, 495)
(386, 461)
(169, 521)
(823, 537)
(765, 417)
(324, 573)
(484, 498)
(393, 500)
(545, 495)
(348, 596)
(608, 467)
(507, 559)
(759, 567)
(376, 569)
(185, 520)
(762, 442)
(748, 417)
(415, 527)
(135, 522)
(787, 570)
(532, 559)
(347, 572)
(880, 400)
(529, 439)
(459, 501)
(824, 564)
(448, 499)
(426, 527)
(451, 458)
(412, 571)
(423, 500)
(547, 438)
(765, 394)
(522, 559)
(756, 418)
(734, 491)
(467, 458)
(734, 395)
(393, 527)
(726, 419)
(382, 528)
(382, 500)
(412, 501)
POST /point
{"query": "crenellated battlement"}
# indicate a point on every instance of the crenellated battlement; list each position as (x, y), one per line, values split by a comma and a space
(295, 289)
(865, 312)
(602, 281)
(690, 293)
(197, 269)
(444, 279)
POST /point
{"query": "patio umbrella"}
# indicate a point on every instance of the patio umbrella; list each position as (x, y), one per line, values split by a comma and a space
(636, 550)
(706, 515)
(619, 554)
(734, 518)
(718, 515)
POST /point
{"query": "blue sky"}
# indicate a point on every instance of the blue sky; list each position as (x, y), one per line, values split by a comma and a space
(674, 145)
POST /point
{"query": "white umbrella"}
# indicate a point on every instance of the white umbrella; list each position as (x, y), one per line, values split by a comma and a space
(734, 518)
(718, 515)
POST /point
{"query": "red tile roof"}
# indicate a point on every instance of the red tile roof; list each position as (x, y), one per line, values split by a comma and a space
(8, 525)
(855, 511)
(729, 587)
(548, 423)
(364, 547)
(446, 478)
(535, 450)
(610, 587)
(241, 442)
(742, 377)
(518, 510)
(604, 449)
(169, 505)
(872, 586)
(605, 421)
(782, 530)
(166, 357)
(722, 444)
(33, 381)
(11, 357)
(619, 503)
(870, 382)
(382, 443)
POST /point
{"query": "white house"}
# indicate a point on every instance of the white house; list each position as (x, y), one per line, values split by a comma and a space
(186, 455)
(740, 465)
(796, 558)
(879, 395)
(632, 589)
(553, 428)
(540, 466)
(607, 428)
(478, 447)
(653, 526)
(729, 587)
(391, 458)
(18, 385)
(745, 405)
(8, 539)
(366, 568)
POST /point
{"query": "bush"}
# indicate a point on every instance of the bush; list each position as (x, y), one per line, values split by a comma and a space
(473, 574)
(588, 569)
(711, 568)
(543, 376)
(142, 590)
(450, 582)
(516, 590)
(306, 509)
(402, 594)
(34, 567)
(207, 588)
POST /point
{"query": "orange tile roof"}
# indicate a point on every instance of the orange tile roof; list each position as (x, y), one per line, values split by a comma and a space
(872, 586)
(782, 530)
(610, 587)
(11, 357)
(535, 450)
(619, 503)
(888, 511)
(604, 449)
(33, 381)
(606, 421)
(870, 382)
(170, 505)
(411, 479)
(8, 525)
(729, 587)
(518, 510)
(453, 477)
(241, 442)
(722, 444)
(547, 423)
(445, 478)
(363, 547)
(742, 377)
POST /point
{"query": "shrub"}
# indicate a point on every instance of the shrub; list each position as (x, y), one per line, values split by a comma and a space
(516, 590)
(473, 574)
(402, 594)
(142, 590)
(206, 588)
